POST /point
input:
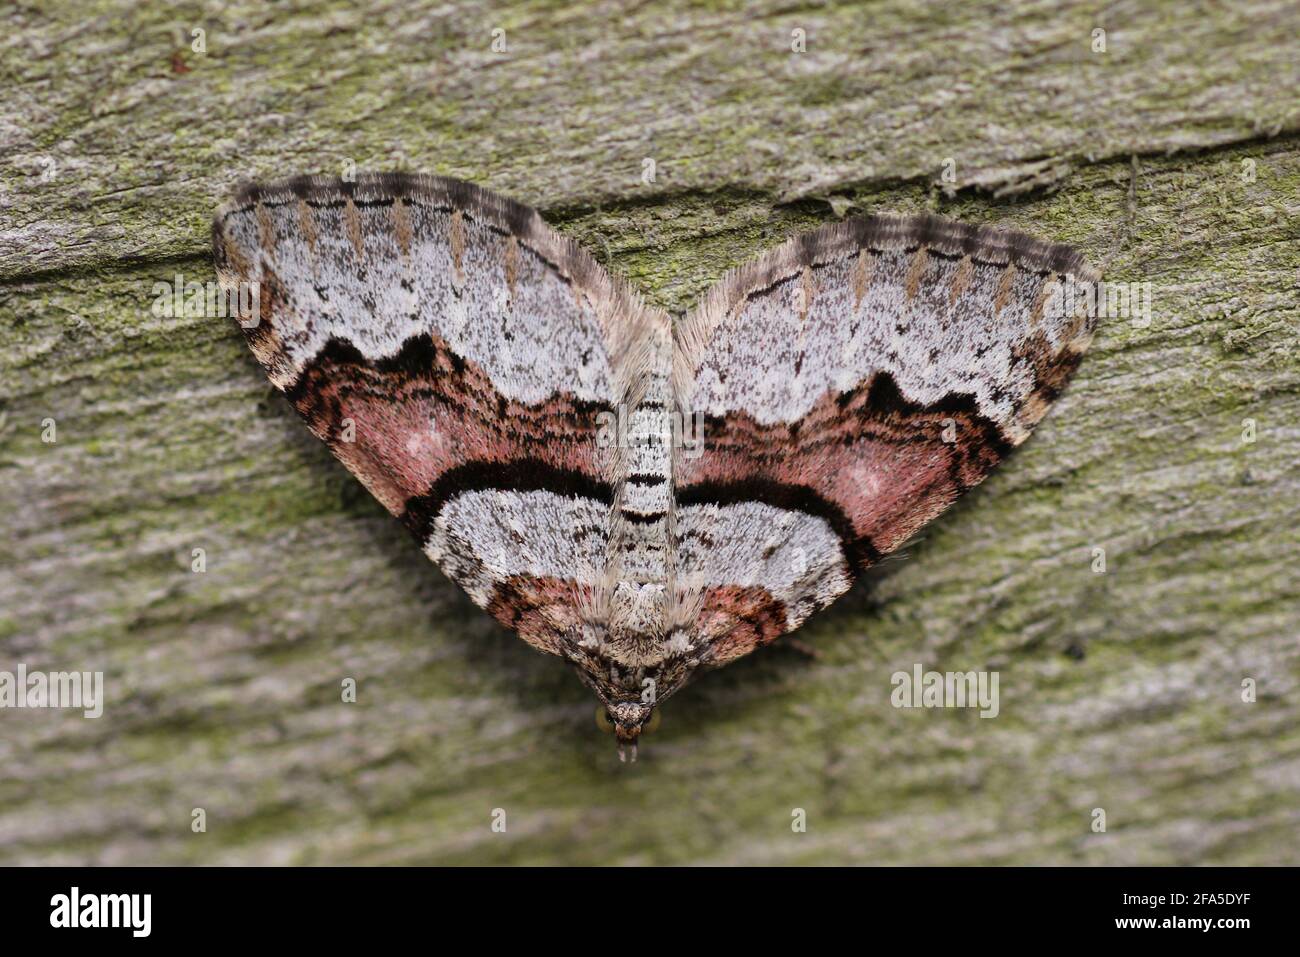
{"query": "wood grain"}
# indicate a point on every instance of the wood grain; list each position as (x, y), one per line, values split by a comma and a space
(1174, 159)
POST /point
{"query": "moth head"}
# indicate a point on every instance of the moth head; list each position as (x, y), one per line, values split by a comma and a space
(627, 721)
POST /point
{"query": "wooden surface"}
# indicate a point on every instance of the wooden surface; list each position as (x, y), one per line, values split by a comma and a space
(1173, 158)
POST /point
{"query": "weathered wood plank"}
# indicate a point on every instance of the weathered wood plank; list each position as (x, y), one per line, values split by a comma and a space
(114, 153)
(1119, 690)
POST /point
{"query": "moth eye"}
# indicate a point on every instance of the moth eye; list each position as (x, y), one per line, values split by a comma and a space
(652, 725)
(602, 720)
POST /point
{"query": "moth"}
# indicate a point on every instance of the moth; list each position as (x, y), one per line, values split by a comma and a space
(647, 498)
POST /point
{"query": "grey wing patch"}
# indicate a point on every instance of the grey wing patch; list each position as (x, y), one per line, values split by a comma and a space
(484, 537)
(942, 307)
(794, 557)
(390, 256)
